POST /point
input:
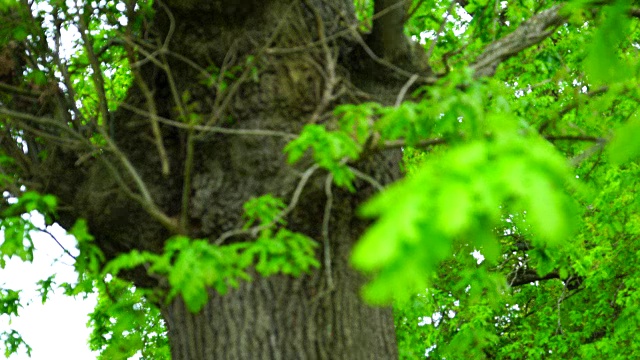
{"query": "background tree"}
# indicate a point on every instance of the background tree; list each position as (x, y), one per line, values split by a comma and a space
(219, 155)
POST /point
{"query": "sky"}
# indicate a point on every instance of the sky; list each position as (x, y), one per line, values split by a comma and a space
(57, 329)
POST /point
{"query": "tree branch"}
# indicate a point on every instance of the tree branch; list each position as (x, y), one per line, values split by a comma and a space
(526, 276)
(394, 144)
(531, 32)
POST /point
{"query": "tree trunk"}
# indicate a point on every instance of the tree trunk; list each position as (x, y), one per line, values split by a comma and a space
(275, 319)
(318, 316)
(288, 63)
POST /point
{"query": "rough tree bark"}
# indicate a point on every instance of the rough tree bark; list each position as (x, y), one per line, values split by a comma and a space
(298, 60)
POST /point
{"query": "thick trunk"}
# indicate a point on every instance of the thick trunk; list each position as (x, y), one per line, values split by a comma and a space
(317, 316)
(276, 319)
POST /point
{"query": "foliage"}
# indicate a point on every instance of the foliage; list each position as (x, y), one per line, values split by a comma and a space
(515, 233)
(124, 322)
(193, 266)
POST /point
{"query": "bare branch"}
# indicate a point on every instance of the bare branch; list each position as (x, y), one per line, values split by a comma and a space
(57, 242)
(394, 144)
(151, 103)
(405, 88)
(360, 175)
(526, 276)
(530, 32)
(212, 129)
(96, 74)
(440, 30)
(330, 77)
(292, 205)
(575, 138)
(578, 159)
(388, 64)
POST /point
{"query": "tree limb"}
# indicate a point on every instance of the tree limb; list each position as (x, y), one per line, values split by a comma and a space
(526, 276)
(530, 32)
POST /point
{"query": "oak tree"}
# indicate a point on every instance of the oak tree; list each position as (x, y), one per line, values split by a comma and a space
(260, 178)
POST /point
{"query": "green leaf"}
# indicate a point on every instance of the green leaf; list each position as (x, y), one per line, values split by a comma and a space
(80, 231)
(45, 286)
(455, 208)
(12, 341)
(9, 302)
(625, 145)
(545, 210)
(603, 65)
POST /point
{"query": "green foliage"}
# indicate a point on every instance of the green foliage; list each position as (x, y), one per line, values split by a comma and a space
(330, 150)
(9, 302)
(584, 250)
(284, 252)
(194, 266)
(45, 286)
(603, 64)
(625, 145)
(264, 209)
(12, 342)
(462, 194)
(124, 322)
(17, 239)
(16, 225)
(7, 4)
(87, 266)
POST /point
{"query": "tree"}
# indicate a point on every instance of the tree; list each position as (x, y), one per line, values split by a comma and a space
(236, 160)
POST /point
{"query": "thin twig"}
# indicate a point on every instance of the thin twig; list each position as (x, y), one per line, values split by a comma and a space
(98, 79)
(186, 187)
(41, 120)
(359, 174)
(440, 30)
(330, 64)
(151, 105)
(57, 242)
(217, 114)
(64, 71)
(292, 204)
(383, 62)
(405, 88)
(147, 204)
(325, 231)
(212, 129)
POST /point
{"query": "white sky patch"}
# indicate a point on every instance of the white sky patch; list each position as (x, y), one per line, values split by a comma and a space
(429, 349)
(57, 329)
(460, 26)
(478, 256)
